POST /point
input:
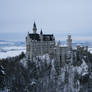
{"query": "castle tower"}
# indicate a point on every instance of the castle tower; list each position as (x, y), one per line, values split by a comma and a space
(41, 32)
(28, 46)
(69, 42)
(41, 37)
(34, 28)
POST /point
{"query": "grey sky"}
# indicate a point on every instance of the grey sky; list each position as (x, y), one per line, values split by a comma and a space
(53, 16)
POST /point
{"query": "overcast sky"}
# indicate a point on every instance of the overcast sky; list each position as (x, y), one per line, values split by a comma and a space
(60, 17)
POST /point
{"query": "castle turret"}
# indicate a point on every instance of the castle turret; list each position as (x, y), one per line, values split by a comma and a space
(69, 42)
(58, 43)
(34, 28)
(41, 32)
(28, 46)
(41, 37)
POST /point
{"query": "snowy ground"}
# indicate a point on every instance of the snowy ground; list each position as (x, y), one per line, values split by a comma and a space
(11, 51)
(90, 50)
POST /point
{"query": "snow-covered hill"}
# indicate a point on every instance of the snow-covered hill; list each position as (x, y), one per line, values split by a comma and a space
(90, 50)
(10, 48)
(11, 51)
(45, 74)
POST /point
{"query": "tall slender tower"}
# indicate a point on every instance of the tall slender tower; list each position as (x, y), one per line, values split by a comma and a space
(41, 37)
(34, 28)
(69, 42)
(28, 46)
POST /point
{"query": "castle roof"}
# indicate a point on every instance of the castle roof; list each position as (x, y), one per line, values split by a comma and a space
(46, 37)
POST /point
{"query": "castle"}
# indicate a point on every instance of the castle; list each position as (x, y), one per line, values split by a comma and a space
(39, 44)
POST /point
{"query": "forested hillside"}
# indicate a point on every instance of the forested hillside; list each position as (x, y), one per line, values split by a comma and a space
(44, 74)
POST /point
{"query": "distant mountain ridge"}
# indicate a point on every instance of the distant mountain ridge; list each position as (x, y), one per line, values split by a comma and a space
(85, 43)
(11, 48)
(81, 43)
(4, 43)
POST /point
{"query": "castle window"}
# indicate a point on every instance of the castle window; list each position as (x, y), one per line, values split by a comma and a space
(28, 47)
(60, 58)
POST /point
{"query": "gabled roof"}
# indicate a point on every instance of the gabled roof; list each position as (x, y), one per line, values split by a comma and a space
(34, 37)
(46, 37)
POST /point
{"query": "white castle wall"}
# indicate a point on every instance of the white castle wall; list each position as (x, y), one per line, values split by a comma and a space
(35, 48)
(40, 47)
